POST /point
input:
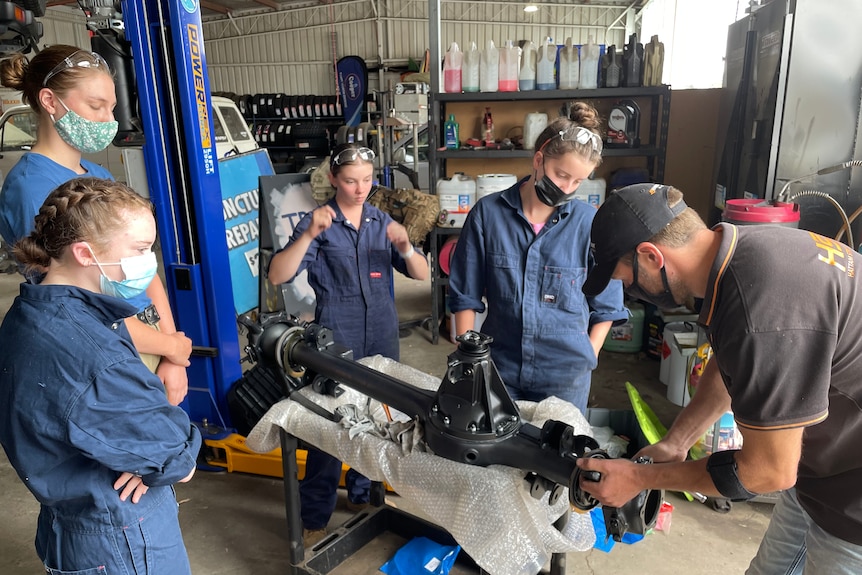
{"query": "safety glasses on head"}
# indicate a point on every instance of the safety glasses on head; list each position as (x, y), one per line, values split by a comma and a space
(581, 135)
(351, 154)
(79, 59)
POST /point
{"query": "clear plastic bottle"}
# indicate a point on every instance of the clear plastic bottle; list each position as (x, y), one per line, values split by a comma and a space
(470, 69)
(570, 66)
(589, 65)
(508, 79)
(452, 67)
(527, 75)
(489, 70)
(547, 59)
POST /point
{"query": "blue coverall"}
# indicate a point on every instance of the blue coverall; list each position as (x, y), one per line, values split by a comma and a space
(77, 408)
(537, 314)
(351, 274)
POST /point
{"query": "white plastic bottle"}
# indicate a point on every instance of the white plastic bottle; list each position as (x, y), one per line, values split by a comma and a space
(547, 58)
(527, 75)
(452, 69)
(489, 69)
(589, 65)
(470, 69)
(570, 67)
(508, 79)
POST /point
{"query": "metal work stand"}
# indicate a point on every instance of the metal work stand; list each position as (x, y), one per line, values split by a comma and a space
(337, 547)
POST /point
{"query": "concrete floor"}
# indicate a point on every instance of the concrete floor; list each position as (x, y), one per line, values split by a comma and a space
(233, 523)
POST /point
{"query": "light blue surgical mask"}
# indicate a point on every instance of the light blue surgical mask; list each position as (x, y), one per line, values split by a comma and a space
(86, 136)
(139, 271)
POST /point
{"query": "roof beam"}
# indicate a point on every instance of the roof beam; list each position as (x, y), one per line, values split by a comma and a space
(215, 7)
(268, 3)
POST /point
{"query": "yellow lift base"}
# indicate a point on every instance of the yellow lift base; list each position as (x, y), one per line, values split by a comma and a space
(233, 454)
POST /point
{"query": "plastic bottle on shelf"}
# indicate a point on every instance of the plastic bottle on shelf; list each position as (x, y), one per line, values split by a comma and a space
(589, 65)
(633, 58)
(570, 66)
(527, 75)
(508, 78)
(488, 128)
(547, 59)
(611, 69)
(489, 70)
(452, 130)
(653, 62)
(452, 67)
(470, 69)
(534, 123)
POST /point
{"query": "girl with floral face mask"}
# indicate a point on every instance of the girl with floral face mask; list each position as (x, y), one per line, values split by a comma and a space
(72, 92)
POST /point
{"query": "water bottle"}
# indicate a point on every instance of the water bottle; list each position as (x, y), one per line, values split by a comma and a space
(547, 59)
(489, 70)
(470, 69)
(452, 69)
(527, 75)
(570, 66)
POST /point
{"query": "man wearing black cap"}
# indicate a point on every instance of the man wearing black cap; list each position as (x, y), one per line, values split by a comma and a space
(783, 312)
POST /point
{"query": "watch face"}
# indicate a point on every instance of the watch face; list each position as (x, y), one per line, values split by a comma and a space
(617, 120)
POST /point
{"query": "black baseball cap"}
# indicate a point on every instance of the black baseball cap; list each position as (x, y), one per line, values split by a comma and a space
(630, 215)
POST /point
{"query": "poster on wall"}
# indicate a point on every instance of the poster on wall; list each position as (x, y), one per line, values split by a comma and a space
(284, 200)
(239, 177)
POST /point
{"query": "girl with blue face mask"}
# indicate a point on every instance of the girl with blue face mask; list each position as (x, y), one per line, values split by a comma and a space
(72, 92)
(96, 439)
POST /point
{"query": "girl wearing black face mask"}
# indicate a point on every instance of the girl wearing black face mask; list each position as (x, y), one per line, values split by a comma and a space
(526, 249)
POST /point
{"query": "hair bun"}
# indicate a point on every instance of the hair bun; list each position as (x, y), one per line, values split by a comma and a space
(584, 114)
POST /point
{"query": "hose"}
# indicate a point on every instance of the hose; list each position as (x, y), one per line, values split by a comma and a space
(835, 203)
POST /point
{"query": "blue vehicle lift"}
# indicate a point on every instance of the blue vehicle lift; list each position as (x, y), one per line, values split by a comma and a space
(166, 41)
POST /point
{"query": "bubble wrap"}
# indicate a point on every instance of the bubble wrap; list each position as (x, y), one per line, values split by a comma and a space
(488, 510)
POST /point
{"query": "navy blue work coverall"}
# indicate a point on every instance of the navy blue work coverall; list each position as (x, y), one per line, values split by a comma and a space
(77, 408)
(351, 274)
(537, 313)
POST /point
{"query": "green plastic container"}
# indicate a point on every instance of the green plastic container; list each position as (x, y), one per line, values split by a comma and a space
(628, 337)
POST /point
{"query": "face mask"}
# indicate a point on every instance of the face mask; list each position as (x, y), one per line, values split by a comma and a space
(139, 271)
(662, 300)
(84, 135)
(550, 194)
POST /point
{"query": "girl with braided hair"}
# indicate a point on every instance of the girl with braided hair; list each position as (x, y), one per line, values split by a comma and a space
(85, 424)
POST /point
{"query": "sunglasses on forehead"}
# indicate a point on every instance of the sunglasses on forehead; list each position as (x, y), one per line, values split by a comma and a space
(351, 154)
(79, 59)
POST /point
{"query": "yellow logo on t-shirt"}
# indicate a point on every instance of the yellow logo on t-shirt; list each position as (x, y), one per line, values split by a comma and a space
(836, 254)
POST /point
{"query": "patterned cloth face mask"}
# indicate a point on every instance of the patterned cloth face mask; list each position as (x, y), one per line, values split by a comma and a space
(86, 136)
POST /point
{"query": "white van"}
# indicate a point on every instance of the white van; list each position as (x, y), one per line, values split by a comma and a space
(18, 134)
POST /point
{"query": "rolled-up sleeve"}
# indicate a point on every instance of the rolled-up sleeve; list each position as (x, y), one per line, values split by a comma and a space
(467, 266)
(123, 421)
(608, 305)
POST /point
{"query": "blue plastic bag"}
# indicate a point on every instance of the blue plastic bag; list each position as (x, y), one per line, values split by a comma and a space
(603, 542)
(421, 555)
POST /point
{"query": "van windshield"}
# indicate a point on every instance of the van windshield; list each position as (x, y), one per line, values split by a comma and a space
(235, 124)
(19, 132)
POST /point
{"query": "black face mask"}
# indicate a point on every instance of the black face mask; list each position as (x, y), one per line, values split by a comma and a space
(550, 194)
(662, 300)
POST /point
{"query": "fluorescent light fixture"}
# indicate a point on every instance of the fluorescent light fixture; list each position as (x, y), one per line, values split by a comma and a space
(531, 8)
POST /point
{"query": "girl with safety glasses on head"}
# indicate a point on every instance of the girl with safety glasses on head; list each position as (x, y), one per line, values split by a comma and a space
(527, 250)
(72, 92)
(349, 248)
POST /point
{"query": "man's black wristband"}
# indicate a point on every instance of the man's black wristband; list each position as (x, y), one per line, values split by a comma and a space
(721, 466)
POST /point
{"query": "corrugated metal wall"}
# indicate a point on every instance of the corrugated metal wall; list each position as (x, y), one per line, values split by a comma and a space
(294, 51)
(64, 26)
